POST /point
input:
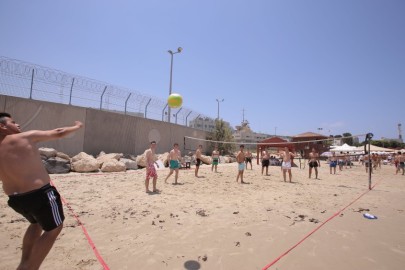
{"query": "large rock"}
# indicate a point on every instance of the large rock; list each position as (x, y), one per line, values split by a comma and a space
(129, 156)
(48, 152)
(113, 165)
(108, 157)
(83, 162)
(129, 163)
(63, 155)
(56, 165)
(164, 158)
(82, 155)
(206, 160)
(141, 161)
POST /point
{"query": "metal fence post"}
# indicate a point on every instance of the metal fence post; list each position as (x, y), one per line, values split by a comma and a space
(146, 107)
(188, 116)
(178, 113)
(101, 101)
(32, 83)
(126, 101)
(71, 91)
(163, 112)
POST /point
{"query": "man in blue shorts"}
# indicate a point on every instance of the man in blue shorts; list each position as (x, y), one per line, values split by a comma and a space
(332, 163)
(27, 184)
(174, 164)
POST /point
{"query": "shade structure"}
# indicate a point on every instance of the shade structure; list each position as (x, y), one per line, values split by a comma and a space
(374, 148)
(346, 148)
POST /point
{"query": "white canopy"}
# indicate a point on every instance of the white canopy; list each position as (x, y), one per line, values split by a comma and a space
(345, 148)
(374, 148)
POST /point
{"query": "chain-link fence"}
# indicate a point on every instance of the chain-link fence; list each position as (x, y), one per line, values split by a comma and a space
(26, 80)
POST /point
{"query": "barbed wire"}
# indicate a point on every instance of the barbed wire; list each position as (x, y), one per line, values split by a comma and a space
(27, 80)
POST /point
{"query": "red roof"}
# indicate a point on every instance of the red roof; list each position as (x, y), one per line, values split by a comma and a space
(273, 140)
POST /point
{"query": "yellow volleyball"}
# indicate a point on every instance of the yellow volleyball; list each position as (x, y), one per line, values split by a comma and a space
(175, 101)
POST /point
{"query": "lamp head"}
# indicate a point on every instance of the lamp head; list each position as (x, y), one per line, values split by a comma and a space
(179, 49)
(170, 51)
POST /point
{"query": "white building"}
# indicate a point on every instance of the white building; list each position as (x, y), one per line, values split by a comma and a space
(243, 134)
(205, 123)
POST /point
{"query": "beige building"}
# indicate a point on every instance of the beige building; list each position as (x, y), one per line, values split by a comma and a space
(205, 124)
(244, 134)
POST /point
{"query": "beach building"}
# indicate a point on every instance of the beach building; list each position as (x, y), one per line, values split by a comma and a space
(304, 143)
(244, 134)
(205, 123)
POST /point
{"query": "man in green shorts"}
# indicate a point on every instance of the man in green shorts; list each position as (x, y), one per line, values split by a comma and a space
(215, 159)
(174, 164)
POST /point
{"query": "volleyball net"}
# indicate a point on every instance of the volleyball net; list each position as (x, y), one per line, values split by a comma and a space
(302, 147)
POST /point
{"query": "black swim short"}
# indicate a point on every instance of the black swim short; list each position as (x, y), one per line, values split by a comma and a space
(248, 159)
(42, 206)
(313, 164)
(367, 164)
(265, 163)
(198, 162)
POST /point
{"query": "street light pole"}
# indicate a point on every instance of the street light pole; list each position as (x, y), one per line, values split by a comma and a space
(222, 100)
(179, 49)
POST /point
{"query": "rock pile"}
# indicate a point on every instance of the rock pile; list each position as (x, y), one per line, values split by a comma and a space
(57, 162)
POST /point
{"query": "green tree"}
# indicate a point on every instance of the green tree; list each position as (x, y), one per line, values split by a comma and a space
(222, 133)
(349, 141)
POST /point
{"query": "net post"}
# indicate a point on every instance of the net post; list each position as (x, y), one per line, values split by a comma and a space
(369, 136)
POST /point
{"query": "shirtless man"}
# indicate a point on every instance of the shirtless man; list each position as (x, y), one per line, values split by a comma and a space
(265, 161)
(314, 163)
(215, 159)
(367, 163)
(332, 163)
(150, 168)
(348, 161)
(286, 165)
(240, 158)
(198, 154)
(27, 184)
(248, 159)
(174, 164)
(374, 158)
(341, 161)
(401, 162)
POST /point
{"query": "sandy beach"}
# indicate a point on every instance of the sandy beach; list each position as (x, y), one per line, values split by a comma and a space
(213, 222)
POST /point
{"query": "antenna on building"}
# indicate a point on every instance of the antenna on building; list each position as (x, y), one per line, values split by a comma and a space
(243, 115)
(400, 132)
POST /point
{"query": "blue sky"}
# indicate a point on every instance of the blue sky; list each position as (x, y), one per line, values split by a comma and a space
(295, 65)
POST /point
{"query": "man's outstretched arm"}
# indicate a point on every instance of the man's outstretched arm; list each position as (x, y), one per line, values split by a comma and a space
(47, 135)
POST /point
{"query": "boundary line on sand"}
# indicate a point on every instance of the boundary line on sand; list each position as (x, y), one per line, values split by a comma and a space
(91, 243)
(317, 228)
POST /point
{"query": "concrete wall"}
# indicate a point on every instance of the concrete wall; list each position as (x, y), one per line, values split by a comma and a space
(2, 103)
(103, 131)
